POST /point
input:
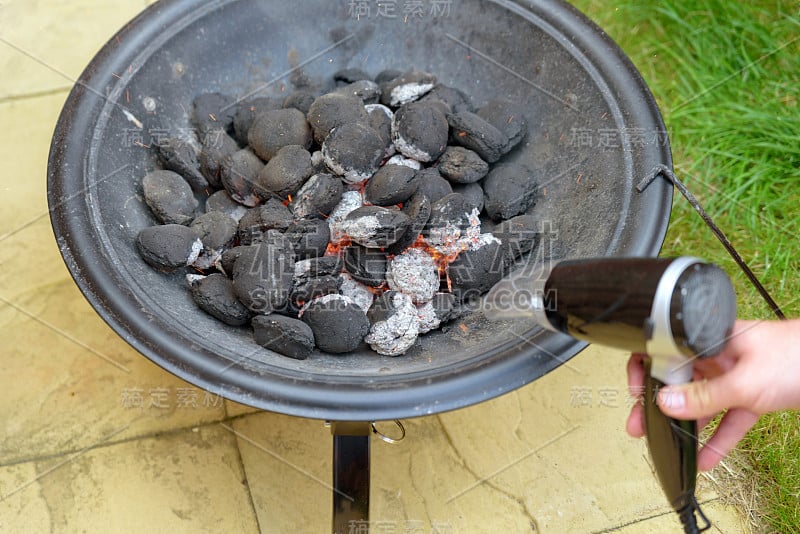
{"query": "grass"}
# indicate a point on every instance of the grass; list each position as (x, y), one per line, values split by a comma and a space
(726, 76)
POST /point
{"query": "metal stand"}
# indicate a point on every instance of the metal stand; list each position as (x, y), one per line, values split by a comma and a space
(351, 476)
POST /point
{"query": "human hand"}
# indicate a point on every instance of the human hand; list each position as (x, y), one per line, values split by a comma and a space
(757, 372)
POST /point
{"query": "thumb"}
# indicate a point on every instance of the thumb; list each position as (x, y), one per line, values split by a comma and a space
(696, 400)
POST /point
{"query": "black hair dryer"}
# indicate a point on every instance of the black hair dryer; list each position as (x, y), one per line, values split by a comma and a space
(673, 310)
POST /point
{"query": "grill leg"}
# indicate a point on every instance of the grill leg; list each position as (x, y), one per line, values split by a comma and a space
(350, 477)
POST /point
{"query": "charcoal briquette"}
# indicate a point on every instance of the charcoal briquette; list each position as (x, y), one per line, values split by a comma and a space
(365, 265)
(217, 145)
(391, 185)
(366, 90)
(474, 272)
(309, 237)
(419, 131)
(247, 112)
(462, 166)
(509, 190)
(443, 305)
(449, 99)
(313, 288)
(418, 210)
(307, 269)
(472, 132)
(508, 117)
(273, 215)
(239, 173)
(387, 75)
(284, 335)
(350, 201)
(228, 259)
(180, 156)
(360, 293)
(394, 324)
(262, 277)
(449, 218)
(317, 197)
(168, 247)
(221, 201)
(338, 323)
(432, 185)
(354, 151)
(169, 197)
(285, 173)
(407, 87)
(518, 236)
(214, 295)
(333, 110)
(273, 130)
(380, 120)
(215, 229)
(375, 226)
(350, 75)
(400, 159)
(473, 195)
(300, 99)
(213, 111)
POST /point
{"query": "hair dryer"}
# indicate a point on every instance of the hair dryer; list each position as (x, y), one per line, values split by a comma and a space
(673, 310)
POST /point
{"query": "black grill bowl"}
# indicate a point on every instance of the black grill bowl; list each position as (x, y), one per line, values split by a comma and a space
(595, 132)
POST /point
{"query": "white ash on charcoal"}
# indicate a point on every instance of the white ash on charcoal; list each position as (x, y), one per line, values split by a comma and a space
(420, 131)
(440, 309)
(473, 132)
(222, 202)
(217, 145)
(427, 318)
(375, 226)
(239, 173)
(448, 221)
(432, 185)
(313, 288)
(319, 163)
(214, 295)
(355, 290)
(350, 75)
(449, 99)
(272, 215)
(473, 195)
(284, 335)
(338, 323)
(509, 189)
(273, 130)
(169, 197)
(353, 151)
(418, 210)
(217, 232)
(401, 160)
(391, 185)
(414, 273)
(262, 277)
(333, 110)
(394, 324)
(309, 237)
(315, 278)
(365, 265)
(300, 99)
(508, 117)
(211, 111)
(462, 166)
(246, 114)
(318, 197)
(285, 173)
(351, 201)
(380, 120)
(180, 156)
(168, 247)
(366, 90)
(407, 87)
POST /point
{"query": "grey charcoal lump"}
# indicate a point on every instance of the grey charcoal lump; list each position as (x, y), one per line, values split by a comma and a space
(332, 222)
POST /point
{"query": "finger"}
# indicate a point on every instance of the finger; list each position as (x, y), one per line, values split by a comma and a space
(697, 400)
(635, 424)
(731, 430)
(636, 375)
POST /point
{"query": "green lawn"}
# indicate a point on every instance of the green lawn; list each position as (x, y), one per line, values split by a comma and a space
(726, 76)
